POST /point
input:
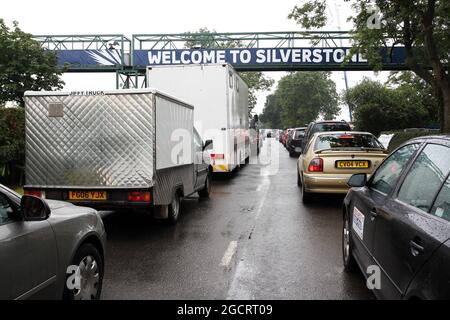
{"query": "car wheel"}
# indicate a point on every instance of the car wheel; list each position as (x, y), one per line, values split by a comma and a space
(306, 196)
(299, 180)
(291, 154)
(90, 264)
(204, 193)
(347, 246)
(174, 209)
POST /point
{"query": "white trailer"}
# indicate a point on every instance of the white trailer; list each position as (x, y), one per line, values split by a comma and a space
(114, 149)
(221, 112)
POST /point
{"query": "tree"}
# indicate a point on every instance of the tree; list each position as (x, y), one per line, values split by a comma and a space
(12, 145)
(377, 107)
(206, 39)
(271, 116)
(24, 65)
(301, 97)
(421, 26)
(417, 91)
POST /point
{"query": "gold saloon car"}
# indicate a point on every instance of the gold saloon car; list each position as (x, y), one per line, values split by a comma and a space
(331, 158)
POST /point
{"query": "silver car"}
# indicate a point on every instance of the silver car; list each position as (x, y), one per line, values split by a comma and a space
(49, 249)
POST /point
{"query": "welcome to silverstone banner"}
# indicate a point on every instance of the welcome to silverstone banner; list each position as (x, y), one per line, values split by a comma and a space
(260, 57)
(240, 58)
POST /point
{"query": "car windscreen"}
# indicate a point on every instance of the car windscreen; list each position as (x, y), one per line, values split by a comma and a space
(331, 126)
(347, 141)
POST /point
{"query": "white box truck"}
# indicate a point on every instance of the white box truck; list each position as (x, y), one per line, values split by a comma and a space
(116, 149)
(221, 112)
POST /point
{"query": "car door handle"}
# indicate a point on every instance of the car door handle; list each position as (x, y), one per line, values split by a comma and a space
(416, 248)
(373, 214)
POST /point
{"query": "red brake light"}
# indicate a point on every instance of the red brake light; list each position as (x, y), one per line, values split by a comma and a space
(346, 137)
(217, 156)
(139, 196)
(33, 192)
(316, 165)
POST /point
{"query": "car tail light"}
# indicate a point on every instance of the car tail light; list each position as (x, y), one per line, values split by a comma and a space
(316, 165)
(139, 196)
(217, 156)
(34, 192)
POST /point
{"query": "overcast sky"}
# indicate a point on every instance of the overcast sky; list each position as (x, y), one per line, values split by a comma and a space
(164, 16)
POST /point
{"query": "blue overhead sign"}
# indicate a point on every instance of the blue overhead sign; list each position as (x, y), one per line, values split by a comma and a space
(254, 58)
(107, 58)
(260, 57)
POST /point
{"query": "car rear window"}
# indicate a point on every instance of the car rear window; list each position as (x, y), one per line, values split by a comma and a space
(331, 126)
(299, 134)
(344, 141)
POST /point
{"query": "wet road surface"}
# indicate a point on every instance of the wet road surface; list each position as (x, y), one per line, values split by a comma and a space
(253, 239)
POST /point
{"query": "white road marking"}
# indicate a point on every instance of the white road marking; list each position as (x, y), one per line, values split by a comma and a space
(229, 254)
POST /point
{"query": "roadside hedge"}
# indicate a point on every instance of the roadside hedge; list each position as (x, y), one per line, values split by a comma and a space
(407, 134)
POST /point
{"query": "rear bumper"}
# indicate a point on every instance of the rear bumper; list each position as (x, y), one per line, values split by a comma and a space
(116, 198)
(322, 183)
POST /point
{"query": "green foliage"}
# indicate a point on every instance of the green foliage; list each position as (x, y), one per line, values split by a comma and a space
(12, 144)
(301, 97)
(378, 108)
(271, 116)
(24, 65)
(205, 39)
(422, 26)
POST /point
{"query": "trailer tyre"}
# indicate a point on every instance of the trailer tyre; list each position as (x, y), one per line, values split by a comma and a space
(205, 192)
(174, 209)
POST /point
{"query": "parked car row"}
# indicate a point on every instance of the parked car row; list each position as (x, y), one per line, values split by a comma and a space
(396, 213)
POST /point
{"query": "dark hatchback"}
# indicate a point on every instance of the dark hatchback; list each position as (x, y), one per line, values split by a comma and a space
(295, 141)
(399, 222)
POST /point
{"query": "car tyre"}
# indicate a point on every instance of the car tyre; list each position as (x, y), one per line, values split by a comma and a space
(350, 265)
(299, 180)
(174, 209)
(205, 192)
(91, 265)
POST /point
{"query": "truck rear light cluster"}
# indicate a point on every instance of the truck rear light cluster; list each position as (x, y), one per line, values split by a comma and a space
(316, 165)
(139, 196)
(217, 156)
(35, 192)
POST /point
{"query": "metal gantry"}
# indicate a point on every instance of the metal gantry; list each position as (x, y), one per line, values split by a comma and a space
(129, 74)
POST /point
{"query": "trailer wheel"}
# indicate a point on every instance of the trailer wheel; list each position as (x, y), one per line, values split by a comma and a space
(204, 193)
(174, 208)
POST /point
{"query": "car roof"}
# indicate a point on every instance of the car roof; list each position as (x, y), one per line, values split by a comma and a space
(321, 133)
(435, 137)
(330, 121)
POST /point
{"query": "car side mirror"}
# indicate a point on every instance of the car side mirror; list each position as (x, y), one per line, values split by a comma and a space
(357, 180)
(34, 208)
(207, 145)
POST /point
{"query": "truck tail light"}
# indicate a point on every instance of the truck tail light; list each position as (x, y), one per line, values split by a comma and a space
(316, 165)
(217, 156)
(35, 192)
(139, 196)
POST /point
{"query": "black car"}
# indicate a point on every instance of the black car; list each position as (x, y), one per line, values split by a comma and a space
(321, 126)
(398, 222)
(295, 141)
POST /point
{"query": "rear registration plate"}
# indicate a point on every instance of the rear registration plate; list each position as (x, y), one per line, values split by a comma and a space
(352, 164)
(87, 195)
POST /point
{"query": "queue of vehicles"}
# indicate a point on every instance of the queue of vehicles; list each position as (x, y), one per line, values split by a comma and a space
(116, 150)
(396, 213)
(140, 149)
